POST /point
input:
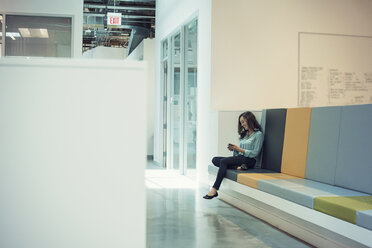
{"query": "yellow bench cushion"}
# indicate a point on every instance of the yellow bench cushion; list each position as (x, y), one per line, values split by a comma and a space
(251, 179)
(296, 139)
(344, 208)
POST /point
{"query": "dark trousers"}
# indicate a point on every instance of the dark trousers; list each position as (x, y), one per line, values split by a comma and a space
(233, 162)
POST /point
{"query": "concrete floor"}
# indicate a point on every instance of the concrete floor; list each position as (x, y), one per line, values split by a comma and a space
(178, 216)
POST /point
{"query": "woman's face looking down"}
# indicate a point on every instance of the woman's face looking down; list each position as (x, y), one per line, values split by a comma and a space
(244, 123)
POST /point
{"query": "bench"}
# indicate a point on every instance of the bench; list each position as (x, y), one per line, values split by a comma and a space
(320, 159)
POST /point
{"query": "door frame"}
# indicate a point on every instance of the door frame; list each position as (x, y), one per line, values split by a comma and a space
(167, 162)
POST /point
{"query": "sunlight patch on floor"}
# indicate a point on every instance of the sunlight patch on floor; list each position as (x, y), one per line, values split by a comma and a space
(168, 179)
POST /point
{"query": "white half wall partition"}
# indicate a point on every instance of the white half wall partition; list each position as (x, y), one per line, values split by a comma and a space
(102, 52)
(72, 153)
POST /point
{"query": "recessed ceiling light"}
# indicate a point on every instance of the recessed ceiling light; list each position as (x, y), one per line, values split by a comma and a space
(25, 32)
(43, 33)
(11, 34)
(34, 32)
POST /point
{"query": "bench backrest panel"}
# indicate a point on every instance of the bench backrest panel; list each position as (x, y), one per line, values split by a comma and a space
(323, 143)
(274, 126)
(354, 160)
(296, 137)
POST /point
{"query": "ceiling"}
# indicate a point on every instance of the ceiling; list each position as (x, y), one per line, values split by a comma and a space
(137, 23)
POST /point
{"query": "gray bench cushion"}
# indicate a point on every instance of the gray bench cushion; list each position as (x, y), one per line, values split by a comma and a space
(303, 191)
(364, 218)
(233, 174)
(354, 161)
(323, 143)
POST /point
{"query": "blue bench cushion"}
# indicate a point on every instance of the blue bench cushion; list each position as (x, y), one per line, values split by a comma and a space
(303, 191)
(354, 168)
(233, 174)
(323, 142)
(252, 179)
(364, 218)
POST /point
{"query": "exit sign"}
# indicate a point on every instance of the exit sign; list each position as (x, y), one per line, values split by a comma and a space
(113, 18)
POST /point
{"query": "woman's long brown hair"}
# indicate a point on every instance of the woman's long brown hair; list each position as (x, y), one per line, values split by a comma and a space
(251, 121)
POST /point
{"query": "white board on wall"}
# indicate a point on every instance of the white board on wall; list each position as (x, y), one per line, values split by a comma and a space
(334, 69)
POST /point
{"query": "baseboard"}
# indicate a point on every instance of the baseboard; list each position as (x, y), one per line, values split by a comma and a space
(309, 225)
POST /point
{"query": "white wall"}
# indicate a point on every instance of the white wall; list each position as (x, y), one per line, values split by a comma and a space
(72, 8)
(149, 57)
(146, 51)
(255, 46)
(248, 53)
(170, 14)
(72, 154)
(137, 53)
(102, 52)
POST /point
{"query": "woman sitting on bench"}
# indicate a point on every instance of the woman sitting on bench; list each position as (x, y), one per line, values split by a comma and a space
(251, 139)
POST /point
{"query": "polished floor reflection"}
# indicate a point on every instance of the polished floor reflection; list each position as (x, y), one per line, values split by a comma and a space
(178, 216)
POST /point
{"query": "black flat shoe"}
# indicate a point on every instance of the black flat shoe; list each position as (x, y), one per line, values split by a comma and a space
(210, 197)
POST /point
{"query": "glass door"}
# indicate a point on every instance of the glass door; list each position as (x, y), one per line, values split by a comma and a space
(179, 72)
(175, 102)
(164, 65)
(190, 92)
(1, 35)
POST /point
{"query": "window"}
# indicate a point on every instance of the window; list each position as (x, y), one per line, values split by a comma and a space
(40, 36)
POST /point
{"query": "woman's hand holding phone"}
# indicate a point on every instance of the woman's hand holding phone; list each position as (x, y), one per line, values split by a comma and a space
(231, 147)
